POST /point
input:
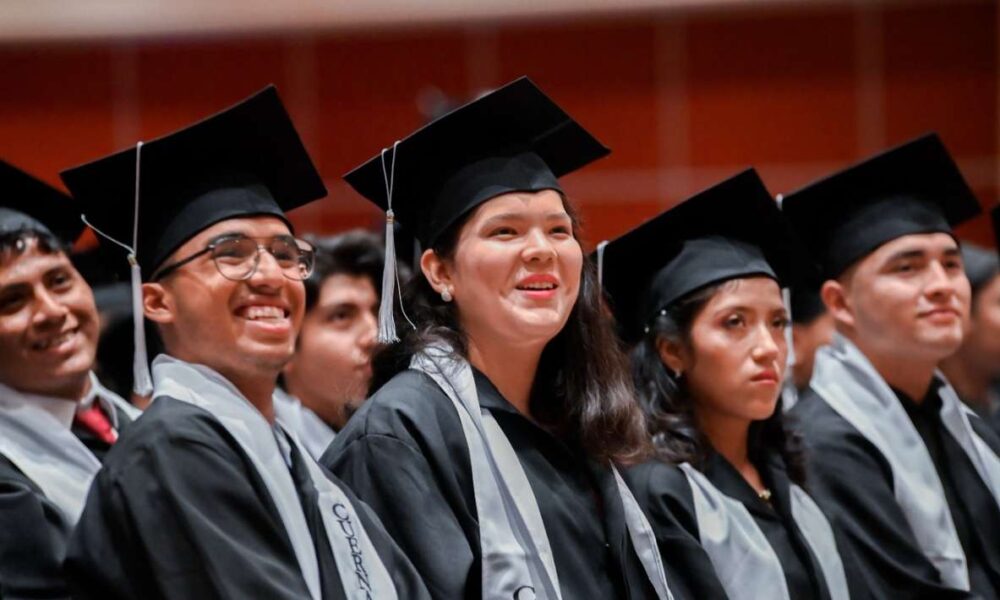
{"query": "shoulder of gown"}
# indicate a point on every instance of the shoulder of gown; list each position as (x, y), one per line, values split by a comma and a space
(664, 494)
(178, 511)
(33, 535)
(852, 482)
(404, 454)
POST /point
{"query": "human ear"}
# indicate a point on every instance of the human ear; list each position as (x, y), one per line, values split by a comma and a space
(836, 297)
(157, 303)
(437, 271)
(672, 355)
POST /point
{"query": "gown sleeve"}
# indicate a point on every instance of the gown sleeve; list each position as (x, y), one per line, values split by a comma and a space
(32, 541)
(179, 519)
(852, 482)
(398, 483)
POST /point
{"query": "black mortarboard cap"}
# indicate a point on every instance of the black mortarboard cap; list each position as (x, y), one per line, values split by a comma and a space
(27, 203)
(806, 303)
(981, 265)
(246, 160)
(731, 230)
(514, 139)
(913, 188)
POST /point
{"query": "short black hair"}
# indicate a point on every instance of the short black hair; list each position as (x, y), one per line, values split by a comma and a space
(356, 252)
(14, 243)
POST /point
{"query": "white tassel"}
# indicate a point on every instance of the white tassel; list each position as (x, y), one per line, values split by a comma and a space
(142, 381)
(600, 262)
(386, 321)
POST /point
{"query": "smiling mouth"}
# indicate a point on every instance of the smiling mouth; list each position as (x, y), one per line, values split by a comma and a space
(263, 313)
(56, 341)
(537, 287)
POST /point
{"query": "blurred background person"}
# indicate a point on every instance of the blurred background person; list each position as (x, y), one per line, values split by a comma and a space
(975, 369)
(328, 377)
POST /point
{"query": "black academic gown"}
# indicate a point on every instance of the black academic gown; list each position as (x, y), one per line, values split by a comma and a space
(33, 531)
(180, 512)
(664, 494)
(404, 452)
(852, 481)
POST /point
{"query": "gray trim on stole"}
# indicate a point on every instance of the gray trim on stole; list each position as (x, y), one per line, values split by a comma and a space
(517, 561)
(744, 560)
(848, 382)
(46, 451)
(352, 549)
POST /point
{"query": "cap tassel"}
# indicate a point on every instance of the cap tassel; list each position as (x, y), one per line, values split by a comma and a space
(386, 320)
(142, 382)
(600, 262)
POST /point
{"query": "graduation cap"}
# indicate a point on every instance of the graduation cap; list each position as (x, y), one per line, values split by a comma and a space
(247, 160)
(514, 139)
(913, 188)
(805, 303)
(981, 265)
(731, 230)
(27, 203)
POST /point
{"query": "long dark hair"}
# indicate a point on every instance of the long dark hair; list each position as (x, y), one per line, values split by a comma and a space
(669, 406)
(582, 390)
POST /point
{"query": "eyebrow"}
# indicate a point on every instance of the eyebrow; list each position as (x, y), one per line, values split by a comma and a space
(918, 253)
(552, 216)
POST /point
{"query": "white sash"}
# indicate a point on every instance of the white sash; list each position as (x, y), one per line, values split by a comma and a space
(361, 570)
(46, 451)
(517, 560)
(848, 382)
(744, 560)
(311, 431)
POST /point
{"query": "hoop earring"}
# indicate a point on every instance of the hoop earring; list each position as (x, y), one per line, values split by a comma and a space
(446, 295)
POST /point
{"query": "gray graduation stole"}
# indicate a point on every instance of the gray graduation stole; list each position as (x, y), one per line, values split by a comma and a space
(848, 382)
(744, 560)
(361, 570)
(517, 561)
(46, 451)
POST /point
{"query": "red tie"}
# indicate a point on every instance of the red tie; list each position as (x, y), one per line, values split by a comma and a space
(97, 423)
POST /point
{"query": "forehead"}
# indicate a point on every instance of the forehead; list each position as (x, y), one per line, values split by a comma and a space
(521, 203)
(344, 287)
(748, 292)
(31, 263)
(925, 243)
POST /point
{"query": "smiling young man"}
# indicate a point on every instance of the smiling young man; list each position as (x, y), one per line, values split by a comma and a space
(56, 420)
(210, 496)
(909, 473)
(327, 378)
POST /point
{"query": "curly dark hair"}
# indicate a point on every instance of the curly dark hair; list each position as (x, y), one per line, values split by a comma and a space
(357, 252)
(669, 407)
(582, 390)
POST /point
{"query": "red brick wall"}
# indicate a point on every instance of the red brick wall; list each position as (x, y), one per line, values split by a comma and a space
(682, 100)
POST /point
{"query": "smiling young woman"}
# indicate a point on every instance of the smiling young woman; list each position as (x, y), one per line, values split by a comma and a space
(488, 448)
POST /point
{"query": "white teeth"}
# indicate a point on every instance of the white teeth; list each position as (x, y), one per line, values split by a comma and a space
(46, 344)
(263, 312)
(538, 286)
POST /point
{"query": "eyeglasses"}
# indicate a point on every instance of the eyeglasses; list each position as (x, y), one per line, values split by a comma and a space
(237, 257)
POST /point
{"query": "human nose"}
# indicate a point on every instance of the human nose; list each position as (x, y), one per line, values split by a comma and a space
(267, 272)
(370, 332)
(940, 284)
(767, 344)
(49, 309)
(538, 247)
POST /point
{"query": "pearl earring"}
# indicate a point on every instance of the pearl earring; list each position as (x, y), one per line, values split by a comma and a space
(446, 295)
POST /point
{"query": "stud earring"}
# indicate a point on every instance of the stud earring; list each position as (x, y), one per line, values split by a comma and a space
(446, 295)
